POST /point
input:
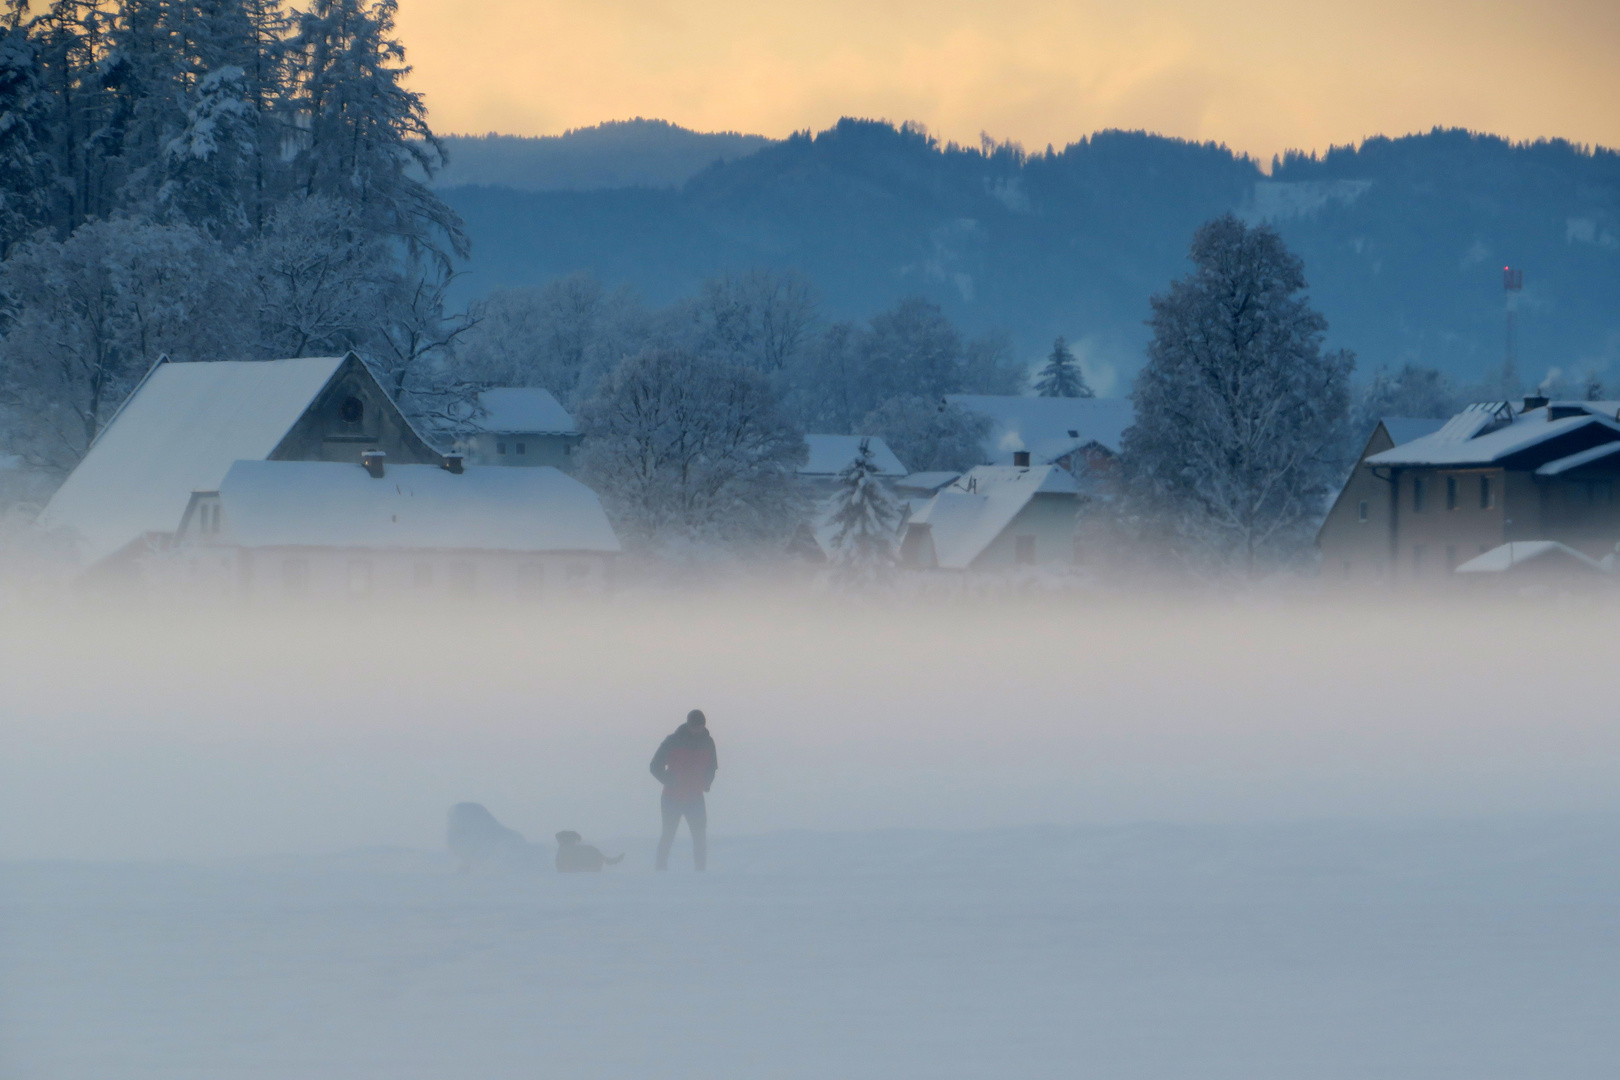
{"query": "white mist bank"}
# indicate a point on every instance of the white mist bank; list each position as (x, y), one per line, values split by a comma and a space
(198, 735)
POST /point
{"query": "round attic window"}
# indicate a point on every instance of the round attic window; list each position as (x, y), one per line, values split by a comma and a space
(352, 410)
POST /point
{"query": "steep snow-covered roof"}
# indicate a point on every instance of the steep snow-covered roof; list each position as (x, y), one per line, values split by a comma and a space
(331, 504)
(179, 433)
(1478, 437)
(966, 517)
(1403, 429)
(1501, 559)
(522, 410)
(1047, 427)
(832, 454)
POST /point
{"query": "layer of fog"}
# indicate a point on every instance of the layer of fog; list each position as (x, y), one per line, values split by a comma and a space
(192, 734)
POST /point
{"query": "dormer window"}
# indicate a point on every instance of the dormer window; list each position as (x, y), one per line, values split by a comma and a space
(352, 411)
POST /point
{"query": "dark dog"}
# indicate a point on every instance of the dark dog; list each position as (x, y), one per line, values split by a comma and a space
(574, 857)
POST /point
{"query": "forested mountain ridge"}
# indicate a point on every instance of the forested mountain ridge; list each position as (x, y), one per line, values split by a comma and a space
(1403, 239)
(614, 154)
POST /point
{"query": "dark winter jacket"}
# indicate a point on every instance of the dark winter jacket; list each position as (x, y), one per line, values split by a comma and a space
(685, 762)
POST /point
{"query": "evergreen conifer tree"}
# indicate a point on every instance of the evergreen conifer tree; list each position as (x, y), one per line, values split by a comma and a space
(25, 167)
(362, 133)
(1062, 377)
(868, 519)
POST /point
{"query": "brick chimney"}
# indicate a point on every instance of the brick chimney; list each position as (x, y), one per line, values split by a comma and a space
(1020, 459)
(372, 461)
(452, 463)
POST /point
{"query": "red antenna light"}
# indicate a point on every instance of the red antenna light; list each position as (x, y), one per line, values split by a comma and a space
(1512, 280)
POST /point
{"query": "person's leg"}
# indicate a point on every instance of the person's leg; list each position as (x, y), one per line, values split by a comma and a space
(697, 819)
(672, 821)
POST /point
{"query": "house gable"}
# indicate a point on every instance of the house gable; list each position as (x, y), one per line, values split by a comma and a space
(353, 414)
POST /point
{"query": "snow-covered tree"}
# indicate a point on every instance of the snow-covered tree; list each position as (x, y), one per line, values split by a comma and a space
(1240, 414)
(689, 450)
(758, 319)
(867, 518)
(929, 434)
(411, 351)
(207, 165)
(93, 313)
(1062, 377)
(25, 166)
(321, 279)
(361, 136)
(1414, 391)
(564, 336)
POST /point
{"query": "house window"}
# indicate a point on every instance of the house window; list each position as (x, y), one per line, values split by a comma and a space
(1487, 494)
(422, 575)
(352, 410)
(1451, 493)
(359, 577)
(522, 448)
(1417, 560)
(463, 578)
(1417, 495)
(295, 577)
(1361, 510)
(1024, 550)
(500, 448)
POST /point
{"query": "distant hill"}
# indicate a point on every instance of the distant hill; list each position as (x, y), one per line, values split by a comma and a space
(1404, 239)
(617, 154)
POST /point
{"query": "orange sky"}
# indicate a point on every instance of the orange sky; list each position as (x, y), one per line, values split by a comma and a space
(1261, 76)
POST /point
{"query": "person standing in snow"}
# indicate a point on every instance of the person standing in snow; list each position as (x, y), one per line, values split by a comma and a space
(685, 765)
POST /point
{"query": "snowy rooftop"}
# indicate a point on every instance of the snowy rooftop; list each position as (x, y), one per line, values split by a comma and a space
(1403, 429)
(330, 504)
(522, 410)
(1480, 435)
(179, 433)
(1047, 427)
(966, 517)
(832, 454)
(1500, 560)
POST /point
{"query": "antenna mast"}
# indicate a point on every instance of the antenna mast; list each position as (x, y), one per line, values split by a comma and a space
(1512, 285)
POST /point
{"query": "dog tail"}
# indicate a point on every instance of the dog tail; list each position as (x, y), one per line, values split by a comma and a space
(614, 861)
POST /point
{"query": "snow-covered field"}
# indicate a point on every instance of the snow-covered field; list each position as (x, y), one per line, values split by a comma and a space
(221, 843)
(1290, 952)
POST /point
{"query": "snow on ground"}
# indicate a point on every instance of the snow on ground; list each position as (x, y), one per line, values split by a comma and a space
(926, 865)
(1245, 952)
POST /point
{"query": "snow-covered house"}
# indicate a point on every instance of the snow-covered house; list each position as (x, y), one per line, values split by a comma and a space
(519, 425)
(186, 423)
(1081, 435)
(995, 517)
(1495, 474)
(305, 530)
(1353, 536)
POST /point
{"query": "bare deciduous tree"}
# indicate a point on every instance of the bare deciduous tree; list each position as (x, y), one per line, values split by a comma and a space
(686, 449)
